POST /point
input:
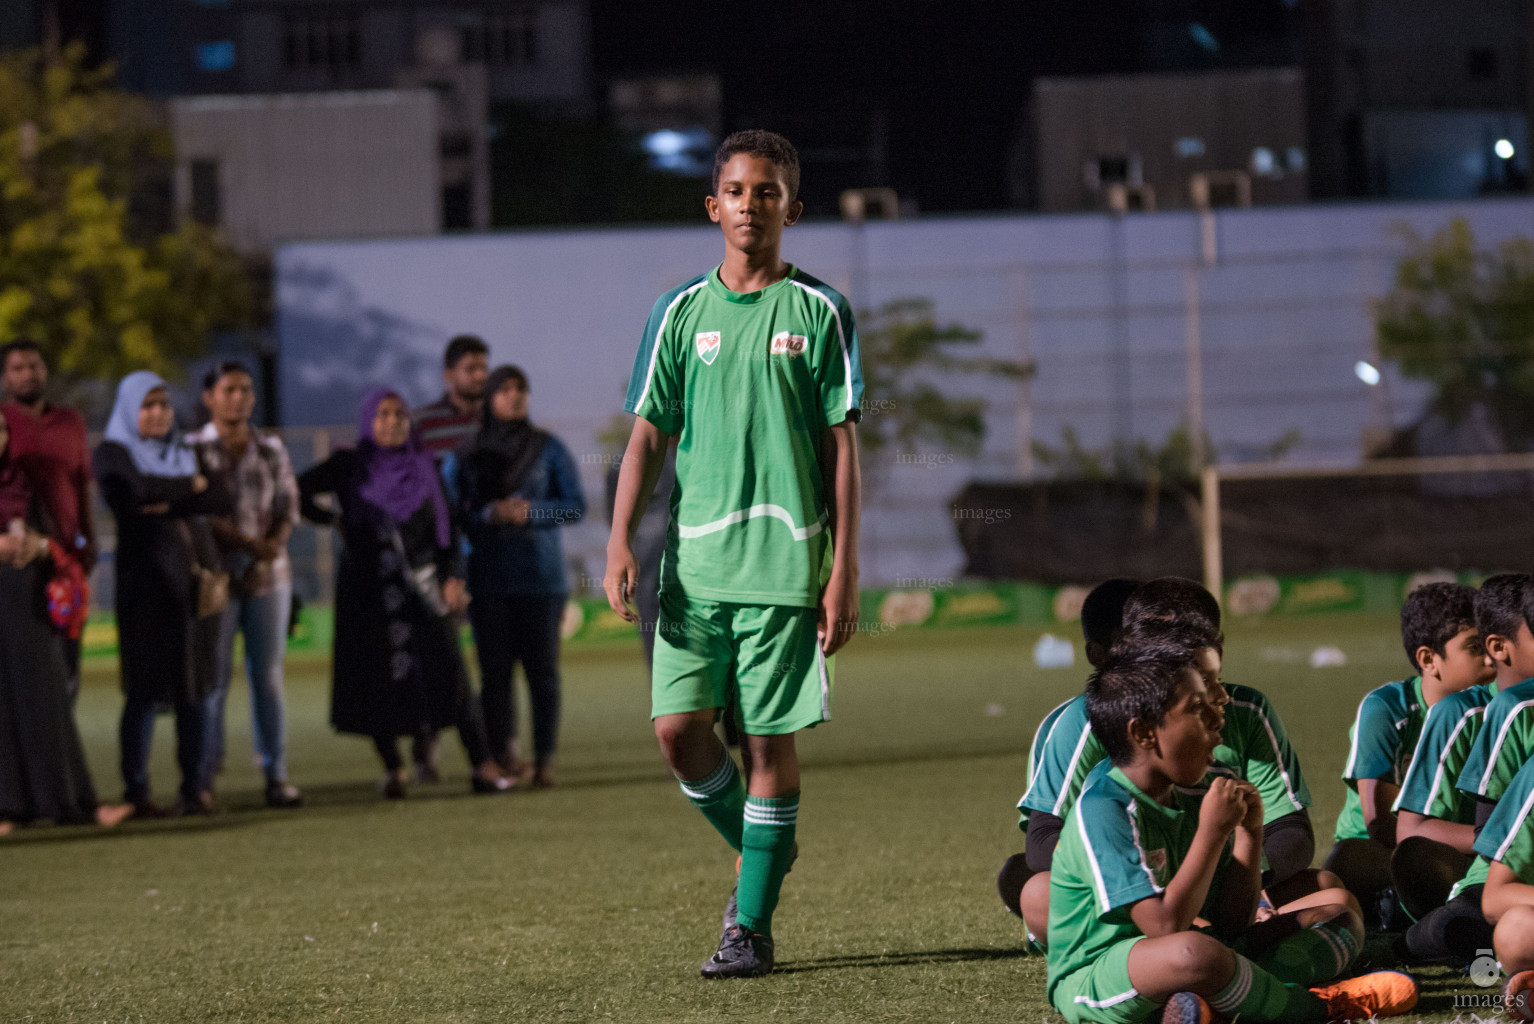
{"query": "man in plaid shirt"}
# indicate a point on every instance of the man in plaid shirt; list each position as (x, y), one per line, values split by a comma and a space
(255, 468)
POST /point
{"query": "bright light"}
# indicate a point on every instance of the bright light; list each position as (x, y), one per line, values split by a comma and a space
(1504, 149)
(1366, 372)
(666, 143)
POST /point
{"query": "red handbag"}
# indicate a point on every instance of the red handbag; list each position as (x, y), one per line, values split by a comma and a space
(69, 592)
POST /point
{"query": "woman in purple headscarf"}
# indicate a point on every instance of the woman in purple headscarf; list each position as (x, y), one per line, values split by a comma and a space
(399, 587)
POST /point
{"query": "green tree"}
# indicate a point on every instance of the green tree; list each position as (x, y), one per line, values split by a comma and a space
(902, 346)
(1462, 319)
(101, 293)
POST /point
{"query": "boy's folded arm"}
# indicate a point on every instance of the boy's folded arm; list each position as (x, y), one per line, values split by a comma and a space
(1174, 909)
(1239, 883)
(1503, 892)
(1411, 823)
(1376, 798)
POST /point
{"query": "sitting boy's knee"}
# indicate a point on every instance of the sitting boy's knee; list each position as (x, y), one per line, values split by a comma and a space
(1199, 960)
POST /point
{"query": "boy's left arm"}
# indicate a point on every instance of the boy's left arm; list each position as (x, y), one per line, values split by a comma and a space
(842, 481)
(1239, 883)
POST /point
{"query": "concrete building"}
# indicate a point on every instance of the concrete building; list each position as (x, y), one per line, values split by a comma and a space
(1419, 99)
(535, 52)
(279, 168)
(1168, 141)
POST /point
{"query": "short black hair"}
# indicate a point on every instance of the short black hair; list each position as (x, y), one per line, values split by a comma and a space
(1102, 613)
(1176, 598)
(1499, 604)
(18, 345)
(217, 373)
(764, 144)
(1194, 634)
(463, 345)
(1138, 682)
(1434, 614)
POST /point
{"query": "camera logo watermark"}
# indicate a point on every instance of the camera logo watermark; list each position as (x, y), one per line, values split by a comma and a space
(1486, 973)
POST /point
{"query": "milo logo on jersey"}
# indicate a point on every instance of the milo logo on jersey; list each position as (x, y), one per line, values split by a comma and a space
(708, 347)
(785, 344)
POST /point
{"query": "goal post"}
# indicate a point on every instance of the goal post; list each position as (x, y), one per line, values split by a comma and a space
(1212, 477)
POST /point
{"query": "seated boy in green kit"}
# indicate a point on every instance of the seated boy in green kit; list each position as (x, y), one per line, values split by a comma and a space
(1506, 861)
(1441, 641)
(1139, 859)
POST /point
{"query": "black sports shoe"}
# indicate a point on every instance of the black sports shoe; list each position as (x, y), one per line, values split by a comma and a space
(741, 954)
(731, 911)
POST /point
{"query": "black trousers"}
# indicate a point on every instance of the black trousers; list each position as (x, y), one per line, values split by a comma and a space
(470, 729)
(513, 628)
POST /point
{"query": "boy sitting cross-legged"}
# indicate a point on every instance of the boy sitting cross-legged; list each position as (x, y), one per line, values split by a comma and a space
(1439, 634)
(1139, 859)
(1506, 860)
(1436, 822)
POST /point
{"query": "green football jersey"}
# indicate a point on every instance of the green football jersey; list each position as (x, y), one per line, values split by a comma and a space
(1254, 742)
(747, 383)
(1448, 734)
(1118, 847)
(1509, 834)
(1383, 739)
(1506, 741)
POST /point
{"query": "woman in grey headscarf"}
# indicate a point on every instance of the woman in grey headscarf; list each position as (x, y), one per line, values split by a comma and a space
(149, 478)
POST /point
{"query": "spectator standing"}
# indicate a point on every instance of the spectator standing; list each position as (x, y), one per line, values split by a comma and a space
(444, 425)
(253, 467)
(149, 478)
(397, 670)
(49, 444)
(514, 486)
(43, 774)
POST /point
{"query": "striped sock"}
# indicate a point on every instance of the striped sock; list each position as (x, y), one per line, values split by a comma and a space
(1255, 995)
(1311, 955)
(766, 854)
(722, 799)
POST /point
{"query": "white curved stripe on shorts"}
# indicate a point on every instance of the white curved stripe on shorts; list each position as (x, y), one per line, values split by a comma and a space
(1103, 1004)
(741, 515)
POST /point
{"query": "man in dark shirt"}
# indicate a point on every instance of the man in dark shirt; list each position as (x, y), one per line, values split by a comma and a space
(455, 416)
(50, 443)
(443, 425)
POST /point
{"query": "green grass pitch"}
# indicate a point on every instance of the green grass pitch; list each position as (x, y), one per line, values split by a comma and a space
(597, 901)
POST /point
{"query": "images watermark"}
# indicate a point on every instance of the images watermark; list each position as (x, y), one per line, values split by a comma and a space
(988, 516)
(928, 460)
(1486, 973)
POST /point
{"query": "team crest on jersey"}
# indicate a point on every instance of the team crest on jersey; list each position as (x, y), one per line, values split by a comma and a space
(785, 344)
(1156, 860)
(708, 347)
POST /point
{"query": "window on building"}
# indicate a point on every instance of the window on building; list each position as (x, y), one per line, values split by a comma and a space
(205, 194)
(458, 207)
(1481, 64)
(215, 56)
(332, 43)
(502, 38)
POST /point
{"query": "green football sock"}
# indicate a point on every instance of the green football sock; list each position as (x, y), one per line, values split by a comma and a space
(1311, 955)
(1255, 995)
(722, 799)
(766, 855)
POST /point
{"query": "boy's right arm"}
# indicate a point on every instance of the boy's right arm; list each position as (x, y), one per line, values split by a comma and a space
(1503, 892)
(1223, 808)
(642, 463)
(1377, 797)
(1410, 823)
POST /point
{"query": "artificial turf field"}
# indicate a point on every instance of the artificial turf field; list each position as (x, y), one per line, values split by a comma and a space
(598, 900)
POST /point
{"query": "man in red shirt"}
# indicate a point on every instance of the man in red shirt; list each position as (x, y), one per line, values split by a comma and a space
(454, 418)
(49, 443)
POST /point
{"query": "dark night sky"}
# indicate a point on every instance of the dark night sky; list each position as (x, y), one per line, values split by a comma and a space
(949, 80)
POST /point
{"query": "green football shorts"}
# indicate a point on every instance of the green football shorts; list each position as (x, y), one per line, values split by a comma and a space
(767, 657)
(1101, 993)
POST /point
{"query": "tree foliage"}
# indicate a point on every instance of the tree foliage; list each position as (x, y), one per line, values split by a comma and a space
(903, 345)
(1462, 319)
(101, 294)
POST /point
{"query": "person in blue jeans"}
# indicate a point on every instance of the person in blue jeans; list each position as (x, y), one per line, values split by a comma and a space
(254, 467)
(512, 486)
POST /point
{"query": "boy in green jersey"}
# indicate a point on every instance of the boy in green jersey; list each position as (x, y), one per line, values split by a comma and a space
(1435, 820)
(1506, 860)
(1440, 638)
(752, 370)
(1141, 857)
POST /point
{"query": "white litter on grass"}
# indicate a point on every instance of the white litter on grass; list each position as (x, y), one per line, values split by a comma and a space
(1328, 657)
(994, 710)
(1053, 652)
(1281, 654)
